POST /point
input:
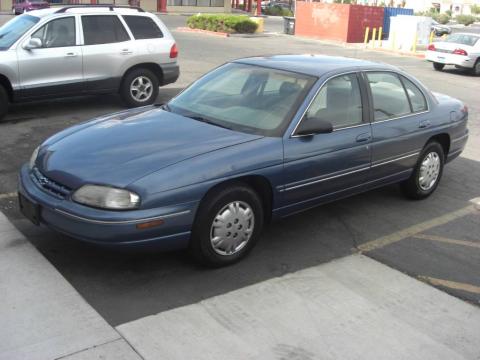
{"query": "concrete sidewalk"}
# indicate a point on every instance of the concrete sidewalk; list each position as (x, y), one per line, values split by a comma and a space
(351, 308)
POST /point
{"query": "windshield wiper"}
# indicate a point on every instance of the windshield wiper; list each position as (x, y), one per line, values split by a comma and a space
(205, 120)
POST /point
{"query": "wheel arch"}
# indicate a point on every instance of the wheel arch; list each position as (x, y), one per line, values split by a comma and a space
(5, 82)
(444, 140)
(153, 67)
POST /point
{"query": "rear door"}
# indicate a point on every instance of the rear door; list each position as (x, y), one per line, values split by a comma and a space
(400, 124)
(107, 47)
(319, 167)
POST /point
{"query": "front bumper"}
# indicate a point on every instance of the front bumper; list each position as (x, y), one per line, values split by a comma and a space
(105, 227)
(450, 59)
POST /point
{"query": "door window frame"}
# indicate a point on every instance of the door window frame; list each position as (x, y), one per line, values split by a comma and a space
(55, 19)
(363, 97)
(399, 76)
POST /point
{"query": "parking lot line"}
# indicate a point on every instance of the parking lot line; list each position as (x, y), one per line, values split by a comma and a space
(451, 284)
(447, 240)
(8, 195)
(415, 229)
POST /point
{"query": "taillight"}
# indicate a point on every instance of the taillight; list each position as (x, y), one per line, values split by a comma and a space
(464, 109)
(460, 52)
(173, 51)
(431, 47)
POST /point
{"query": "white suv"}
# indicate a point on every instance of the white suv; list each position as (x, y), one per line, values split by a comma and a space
(75, 50)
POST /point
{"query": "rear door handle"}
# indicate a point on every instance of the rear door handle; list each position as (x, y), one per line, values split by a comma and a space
(424, 124)
(363, 137)
(71, 54)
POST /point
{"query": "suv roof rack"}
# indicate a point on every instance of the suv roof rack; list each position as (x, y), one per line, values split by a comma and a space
(110, 6)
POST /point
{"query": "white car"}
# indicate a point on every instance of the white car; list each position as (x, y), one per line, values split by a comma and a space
(461, 50)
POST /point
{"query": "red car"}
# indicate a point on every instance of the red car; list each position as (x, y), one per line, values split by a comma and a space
(22, 6)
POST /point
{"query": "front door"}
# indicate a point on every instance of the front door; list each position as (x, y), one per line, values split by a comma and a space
(54, 68)
(324, 166)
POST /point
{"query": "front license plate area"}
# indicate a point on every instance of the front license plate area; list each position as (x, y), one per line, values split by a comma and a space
(29, 209)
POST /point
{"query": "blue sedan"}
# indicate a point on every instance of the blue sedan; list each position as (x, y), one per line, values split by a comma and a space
(253, 140)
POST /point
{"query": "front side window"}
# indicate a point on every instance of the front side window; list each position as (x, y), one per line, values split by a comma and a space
(389, 97)
(103, 29)
(338, 102)
(57, 33)
(11, 31)
(143, 27)
(417, 99)
(245, 98)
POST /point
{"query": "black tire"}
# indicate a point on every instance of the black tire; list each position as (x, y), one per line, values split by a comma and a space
(411, 187)
(4, 102)
(201, 247)
(438, 66)
(476, 68)
(130, 78)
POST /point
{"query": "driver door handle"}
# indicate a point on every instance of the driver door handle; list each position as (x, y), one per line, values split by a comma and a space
(363, 137)
(71, 54)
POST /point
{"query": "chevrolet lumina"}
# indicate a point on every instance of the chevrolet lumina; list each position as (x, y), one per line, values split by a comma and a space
(255, 139)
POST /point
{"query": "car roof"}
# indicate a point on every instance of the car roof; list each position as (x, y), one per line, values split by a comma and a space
(85, 9)
(314, 65)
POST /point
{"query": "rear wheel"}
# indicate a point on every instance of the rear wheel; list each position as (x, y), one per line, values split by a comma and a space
(476, 68)
(427, 173)
(139, 87)
(227, 226)
(438, 66)
(4, 102)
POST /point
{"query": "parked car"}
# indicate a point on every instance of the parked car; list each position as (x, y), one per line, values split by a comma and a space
(255, 139)
(460, 49)
(439, 29)
(22, 6)
(76, 50)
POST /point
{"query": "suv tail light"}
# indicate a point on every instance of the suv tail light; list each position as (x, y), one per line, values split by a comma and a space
(173, 51)
(431, 47)
(460, 52)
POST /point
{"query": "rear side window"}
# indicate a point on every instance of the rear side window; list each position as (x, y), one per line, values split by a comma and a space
(143, 27)
(103, 29)
(389, 97)
(417, 99)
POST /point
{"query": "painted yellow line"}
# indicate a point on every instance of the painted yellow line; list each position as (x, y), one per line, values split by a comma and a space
(451, 284)
(415, 229)
(8, 195)
(447, 240)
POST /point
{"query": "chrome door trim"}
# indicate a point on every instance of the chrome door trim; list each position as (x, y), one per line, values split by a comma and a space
(395, 159)
(120, 222)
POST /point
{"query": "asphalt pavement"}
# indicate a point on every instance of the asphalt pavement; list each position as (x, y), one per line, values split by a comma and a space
(125, 286)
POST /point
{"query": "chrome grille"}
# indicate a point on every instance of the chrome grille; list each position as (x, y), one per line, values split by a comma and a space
(50, 186)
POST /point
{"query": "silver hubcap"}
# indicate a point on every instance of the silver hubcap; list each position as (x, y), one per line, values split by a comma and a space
(232, 228)
(141, 88)
(429, 171)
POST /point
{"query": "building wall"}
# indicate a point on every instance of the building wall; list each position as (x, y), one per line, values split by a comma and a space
(6, 5)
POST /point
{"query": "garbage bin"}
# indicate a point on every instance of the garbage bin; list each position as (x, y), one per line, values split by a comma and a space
(289, 25)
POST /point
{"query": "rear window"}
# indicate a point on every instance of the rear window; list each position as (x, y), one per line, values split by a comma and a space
(103, 29)
(463, 39)
(143, 27)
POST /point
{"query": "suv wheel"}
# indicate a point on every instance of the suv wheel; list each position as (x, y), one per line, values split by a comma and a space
(427, 173)
(139, 88)
(476, 68)
(228, 225)
(3, 102)
(438, 66)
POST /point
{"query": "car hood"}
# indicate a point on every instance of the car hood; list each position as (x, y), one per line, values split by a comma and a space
(125, 147)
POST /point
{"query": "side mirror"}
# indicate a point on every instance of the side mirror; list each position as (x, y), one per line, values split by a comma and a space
(313, 125)
(33, 43)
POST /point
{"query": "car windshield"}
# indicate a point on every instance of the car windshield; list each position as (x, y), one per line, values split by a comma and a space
(14, 29)
(246, 98)
(464, 39)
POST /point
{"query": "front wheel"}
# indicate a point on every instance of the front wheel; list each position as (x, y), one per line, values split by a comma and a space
(438, 66)
(228, 225)
(4, 102)
(139, 88)
(427, 173)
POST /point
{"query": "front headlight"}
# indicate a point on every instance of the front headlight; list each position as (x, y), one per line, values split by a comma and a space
(33, 158)
(106, 197)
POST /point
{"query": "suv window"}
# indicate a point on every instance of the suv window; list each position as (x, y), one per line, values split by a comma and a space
(57, 33)
(143, 27)
(339, 102)
(103, 29)
(389, 97)
(417, 99)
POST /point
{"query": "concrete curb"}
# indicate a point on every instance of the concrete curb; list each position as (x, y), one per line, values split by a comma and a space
(43, 317)
(200, 31)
